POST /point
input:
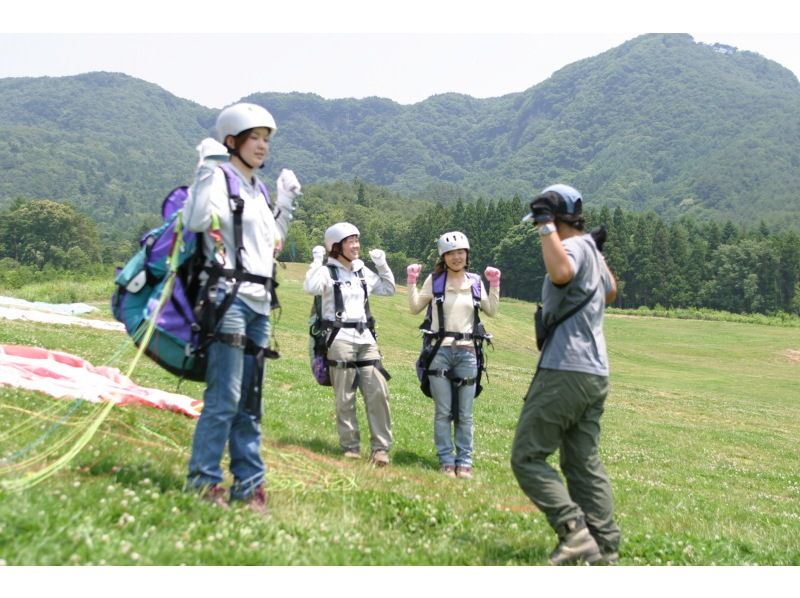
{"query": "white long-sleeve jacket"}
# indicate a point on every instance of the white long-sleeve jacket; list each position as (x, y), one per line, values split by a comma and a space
(261, 230)
(318, 281)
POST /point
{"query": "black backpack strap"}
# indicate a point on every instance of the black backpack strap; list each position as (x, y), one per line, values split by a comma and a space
(242, 275)
(236, 203)
(367, 312)
(438, 299)
(338, 305)
(569, 314)
(237, 209)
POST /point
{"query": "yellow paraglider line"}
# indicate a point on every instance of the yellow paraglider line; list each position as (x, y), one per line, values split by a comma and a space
(86, 435)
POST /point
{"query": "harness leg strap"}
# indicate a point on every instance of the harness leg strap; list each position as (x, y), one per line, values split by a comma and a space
(254, 388)
(376, 363)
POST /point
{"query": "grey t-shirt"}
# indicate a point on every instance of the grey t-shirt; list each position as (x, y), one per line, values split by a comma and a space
(578, 343)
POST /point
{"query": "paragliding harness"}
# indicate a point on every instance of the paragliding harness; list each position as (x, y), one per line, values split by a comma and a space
(431, 341)
(171, 260)
(320, 341)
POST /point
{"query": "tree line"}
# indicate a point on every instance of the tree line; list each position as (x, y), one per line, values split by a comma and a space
(679, 264)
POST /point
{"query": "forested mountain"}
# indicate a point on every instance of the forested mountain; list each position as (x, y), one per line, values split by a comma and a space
(659, 122)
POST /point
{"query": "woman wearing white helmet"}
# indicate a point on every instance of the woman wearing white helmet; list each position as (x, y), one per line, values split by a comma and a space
(252, 231)
(345, 284)
(453, 367)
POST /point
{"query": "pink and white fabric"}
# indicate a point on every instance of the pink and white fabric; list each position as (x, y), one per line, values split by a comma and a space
(62, 375)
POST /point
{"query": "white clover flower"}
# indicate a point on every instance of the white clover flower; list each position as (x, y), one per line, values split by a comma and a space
(125, 519)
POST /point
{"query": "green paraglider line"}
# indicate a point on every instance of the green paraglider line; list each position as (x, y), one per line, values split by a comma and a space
(34, 478)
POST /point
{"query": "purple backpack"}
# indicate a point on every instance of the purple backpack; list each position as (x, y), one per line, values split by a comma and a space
(181, 332)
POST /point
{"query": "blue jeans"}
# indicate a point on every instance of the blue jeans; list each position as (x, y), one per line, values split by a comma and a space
(231, 410)
(462, 363)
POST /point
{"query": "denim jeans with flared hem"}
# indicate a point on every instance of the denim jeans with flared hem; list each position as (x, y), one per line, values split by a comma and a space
(462, 363)
(231, 412)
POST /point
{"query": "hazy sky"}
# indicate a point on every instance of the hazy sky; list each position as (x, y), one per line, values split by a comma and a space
(406, 51)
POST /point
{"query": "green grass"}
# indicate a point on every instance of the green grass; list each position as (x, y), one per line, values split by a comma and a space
(699, 439)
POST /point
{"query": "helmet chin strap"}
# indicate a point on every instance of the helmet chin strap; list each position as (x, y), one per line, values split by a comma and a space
(235, 152)
(341, 253)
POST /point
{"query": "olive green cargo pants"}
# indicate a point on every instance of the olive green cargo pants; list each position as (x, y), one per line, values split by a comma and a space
(562, 412)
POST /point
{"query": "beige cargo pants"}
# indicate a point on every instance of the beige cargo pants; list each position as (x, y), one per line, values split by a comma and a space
(346, 379)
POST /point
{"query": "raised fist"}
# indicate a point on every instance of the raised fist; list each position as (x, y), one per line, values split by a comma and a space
(288, 185)
(493, 276)
(412, 273)
(543, 207)
(378, 256)
(318, 253)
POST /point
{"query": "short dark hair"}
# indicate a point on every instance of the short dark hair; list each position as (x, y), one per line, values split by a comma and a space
(577, 221)
(239, 140)
(441, 266)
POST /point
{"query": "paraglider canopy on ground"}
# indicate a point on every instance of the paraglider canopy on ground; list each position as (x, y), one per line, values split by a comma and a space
(63, 375)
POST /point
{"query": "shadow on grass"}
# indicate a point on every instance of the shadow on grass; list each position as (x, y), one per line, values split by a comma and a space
(411, 458)
(506, 554)
(329, 449)
(133, 474)
(316, 444)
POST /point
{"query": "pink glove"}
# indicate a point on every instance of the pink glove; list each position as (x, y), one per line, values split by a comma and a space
(412, 273)
(493, 276)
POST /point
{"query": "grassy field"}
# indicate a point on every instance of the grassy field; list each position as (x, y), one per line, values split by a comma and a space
(699, 439)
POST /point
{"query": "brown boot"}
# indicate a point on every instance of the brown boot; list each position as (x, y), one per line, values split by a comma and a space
(215, 494)
(257, 501)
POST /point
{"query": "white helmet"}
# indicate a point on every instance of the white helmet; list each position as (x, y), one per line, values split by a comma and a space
(241, 117)
(338, 232)
(452, 240)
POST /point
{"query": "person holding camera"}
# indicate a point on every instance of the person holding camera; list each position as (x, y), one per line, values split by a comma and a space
(567, 395)
(345, 284)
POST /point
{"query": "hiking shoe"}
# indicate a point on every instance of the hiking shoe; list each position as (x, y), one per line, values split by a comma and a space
(448, 470)
(575, 544)
(257, 501)
(464, 471)
(352, 454)
(380, 458)
(215, 494)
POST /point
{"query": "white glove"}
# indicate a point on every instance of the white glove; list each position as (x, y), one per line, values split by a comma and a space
(288, 185)
(211, 149)
(378, 257)
(356, 265)
(318, 253)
